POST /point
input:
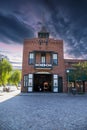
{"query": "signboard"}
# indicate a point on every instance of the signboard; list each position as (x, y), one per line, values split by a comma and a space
(43, 65)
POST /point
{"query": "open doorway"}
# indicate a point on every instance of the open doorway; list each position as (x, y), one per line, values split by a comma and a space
(42, 83)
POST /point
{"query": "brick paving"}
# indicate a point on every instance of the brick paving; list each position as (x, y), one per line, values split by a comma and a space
(45, 111)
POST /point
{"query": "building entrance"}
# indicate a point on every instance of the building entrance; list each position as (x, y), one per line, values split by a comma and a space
(42, 83)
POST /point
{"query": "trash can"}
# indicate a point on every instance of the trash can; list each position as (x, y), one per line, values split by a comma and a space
(73, 91)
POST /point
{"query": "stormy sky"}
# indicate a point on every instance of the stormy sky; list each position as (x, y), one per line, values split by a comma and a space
(64, 19)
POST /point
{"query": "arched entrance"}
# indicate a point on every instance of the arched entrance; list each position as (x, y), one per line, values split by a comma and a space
(42, 82)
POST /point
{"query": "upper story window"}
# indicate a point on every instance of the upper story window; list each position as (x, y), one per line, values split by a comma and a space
(55, 58)
(43, 58)
(31, 58)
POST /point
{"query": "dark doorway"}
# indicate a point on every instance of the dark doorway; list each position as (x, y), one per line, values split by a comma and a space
(42, 83)
(60, 85)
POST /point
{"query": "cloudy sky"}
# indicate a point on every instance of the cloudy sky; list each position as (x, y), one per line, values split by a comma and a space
(65, 19)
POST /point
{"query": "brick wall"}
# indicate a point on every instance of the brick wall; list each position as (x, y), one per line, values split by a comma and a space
(53, 45)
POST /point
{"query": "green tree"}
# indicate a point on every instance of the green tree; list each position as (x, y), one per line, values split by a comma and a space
(79, 72)
(5, 71)
(15, 77)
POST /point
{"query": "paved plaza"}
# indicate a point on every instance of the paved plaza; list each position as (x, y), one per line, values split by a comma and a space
(44, 111)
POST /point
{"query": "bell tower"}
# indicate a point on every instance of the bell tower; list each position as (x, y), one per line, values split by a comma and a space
(43, 33)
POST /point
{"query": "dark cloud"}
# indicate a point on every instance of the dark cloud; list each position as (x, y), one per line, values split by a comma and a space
(13, 29)
(65, 19)
(69, 23)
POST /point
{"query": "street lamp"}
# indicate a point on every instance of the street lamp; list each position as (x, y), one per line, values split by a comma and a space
(68, 79)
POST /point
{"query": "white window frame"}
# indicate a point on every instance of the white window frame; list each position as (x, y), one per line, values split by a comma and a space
(31, 57)
(55, 83)
(55, 57)
(30, 82)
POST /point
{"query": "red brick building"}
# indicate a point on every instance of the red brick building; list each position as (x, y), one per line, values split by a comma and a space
(44, 66)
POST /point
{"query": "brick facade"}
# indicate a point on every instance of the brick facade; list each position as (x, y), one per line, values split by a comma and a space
(55, 46)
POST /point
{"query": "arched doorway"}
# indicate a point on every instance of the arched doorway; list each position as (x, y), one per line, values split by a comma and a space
(42, 82)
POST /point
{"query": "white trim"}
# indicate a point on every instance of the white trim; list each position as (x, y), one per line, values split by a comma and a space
(30, 89)
(42, 72)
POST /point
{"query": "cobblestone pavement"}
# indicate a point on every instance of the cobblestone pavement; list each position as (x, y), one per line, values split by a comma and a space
(45, 111)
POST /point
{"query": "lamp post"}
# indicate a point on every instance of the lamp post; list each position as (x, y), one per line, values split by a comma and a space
(68, 79)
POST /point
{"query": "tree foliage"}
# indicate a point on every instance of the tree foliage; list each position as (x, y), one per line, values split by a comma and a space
(79, 72)
(15, 77)
(5, 70)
